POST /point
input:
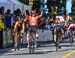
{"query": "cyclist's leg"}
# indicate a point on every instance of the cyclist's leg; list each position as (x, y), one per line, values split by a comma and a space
(16, 36)
(18, 40)
(21, 37)
(28, 38)
(36, 35)
(54, 35)
(60, 36)
(36, 38)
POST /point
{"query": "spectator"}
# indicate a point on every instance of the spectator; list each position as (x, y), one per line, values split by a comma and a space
(18, 12)
(2, 10)
(8, 18)
(2, 26)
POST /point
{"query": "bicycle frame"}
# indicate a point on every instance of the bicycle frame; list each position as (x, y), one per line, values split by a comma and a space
(71, 36)
(57, 41)
(17, 40)
(32, 42)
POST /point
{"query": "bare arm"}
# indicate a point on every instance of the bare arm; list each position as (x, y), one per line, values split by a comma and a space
(25, 14)
(41, 14)
(15, 26)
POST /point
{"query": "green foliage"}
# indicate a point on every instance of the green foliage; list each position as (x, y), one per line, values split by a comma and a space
(25, 1)
(36, 3)
(73, 1)
(64, 3)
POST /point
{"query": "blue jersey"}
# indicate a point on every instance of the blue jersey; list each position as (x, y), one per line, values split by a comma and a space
(8, 20)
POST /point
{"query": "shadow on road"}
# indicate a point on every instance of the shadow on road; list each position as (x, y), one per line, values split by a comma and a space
(36, 53)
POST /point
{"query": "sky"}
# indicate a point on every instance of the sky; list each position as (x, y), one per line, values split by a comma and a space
(68, 6)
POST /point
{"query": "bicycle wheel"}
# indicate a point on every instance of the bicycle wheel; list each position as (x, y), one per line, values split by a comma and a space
(18, 43)
(33, 42)
(71, 38)
(57, 42)
(31, 48)
(15, 41)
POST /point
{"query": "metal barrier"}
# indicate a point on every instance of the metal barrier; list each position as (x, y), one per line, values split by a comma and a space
(7, 38)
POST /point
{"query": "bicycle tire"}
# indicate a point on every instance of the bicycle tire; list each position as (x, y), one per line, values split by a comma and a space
(33, 36)
(31, 48)
(71, 39)
(57, 42)
(18, 43)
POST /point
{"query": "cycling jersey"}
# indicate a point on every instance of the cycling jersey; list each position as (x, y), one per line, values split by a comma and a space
(71, 26)
(33, 21)
(18, 26)
(58, 27)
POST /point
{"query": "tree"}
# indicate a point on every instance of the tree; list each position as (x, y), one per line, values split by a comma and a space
(73, 7)
(25, 1)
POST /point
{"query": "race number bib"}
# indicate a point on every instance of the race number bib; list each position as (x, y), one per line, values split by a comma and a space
(33, 20)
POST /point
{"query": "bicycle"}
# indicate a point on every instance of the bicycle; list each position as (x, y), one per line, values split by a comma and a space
(58, 36)
(16, 40)
(71, 36)
(32, 42)
(57, 42)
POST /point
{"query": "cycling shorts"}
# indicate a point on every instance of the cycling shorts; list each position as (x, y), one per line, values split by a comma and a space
(33, 29)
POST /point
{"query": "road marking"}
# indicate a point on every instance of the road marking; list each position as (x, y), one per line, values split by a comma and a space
(68, 54)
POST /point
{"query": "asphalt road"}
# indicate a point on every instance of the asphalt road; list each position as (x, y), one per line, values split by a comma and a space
(45, 50)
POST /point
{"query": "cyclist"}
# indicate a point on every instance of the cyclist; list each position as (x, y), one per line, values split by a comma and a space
(69, 20)
(19, 31)
(58, 29)
(33, 22)
(71, 27)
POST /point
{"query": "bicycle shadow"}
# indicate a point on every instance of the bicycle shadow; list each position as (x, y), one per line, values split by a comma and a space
(37, 52)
